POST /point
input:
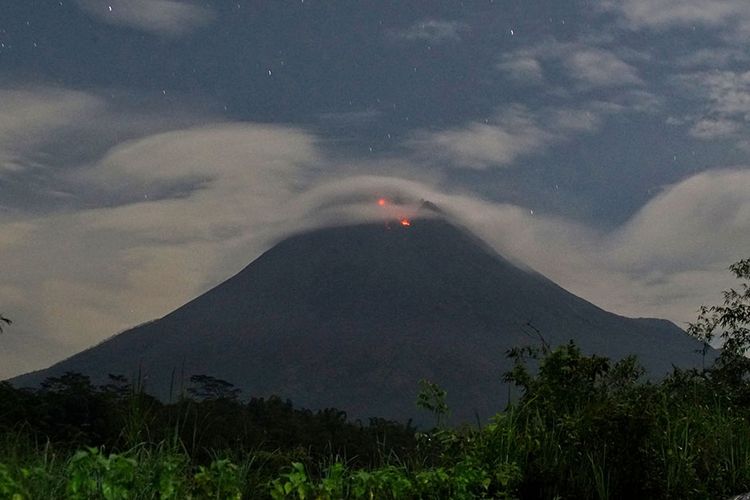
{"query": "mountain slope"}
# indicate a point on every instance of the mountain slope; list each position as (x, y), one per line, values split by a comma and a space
(353, 317)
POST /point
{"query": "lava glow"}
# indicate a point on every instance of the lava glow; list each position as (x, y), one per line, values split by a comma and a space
(404, 221)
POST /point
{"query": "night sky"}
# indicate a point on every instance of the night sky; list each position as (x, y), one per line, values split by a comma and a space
(149, 149)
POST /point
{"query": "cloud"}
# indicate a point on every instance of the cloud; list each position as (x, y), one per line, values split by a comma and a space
(632, 100)
(711, 58)
(601, 68)
(728, 92)
(711, 129)
(524, 69)
(181, 208)
(667, 260)
(512, 133)
(727, 102)
(220, 155)
(47, 132)
(161, 17)
(701, 221)
(350, 119)
(659, 14)
(31, 118)
(588, 65)
(136, 260)
(252, 184)
(431, 30)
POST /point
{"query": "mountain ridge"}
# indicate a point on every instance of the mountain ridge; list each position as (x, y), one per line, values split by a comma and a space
(354, 316)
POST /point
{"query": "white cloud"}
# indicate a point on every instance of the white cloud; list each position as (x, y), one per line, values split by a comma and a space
(524, 69)
(701, 221)
(432, 30)
(707, 129)
(727, 102)
(632, 100)
(588, 65)
(42, 127)
(728, 92)
(124, 264)
(667, 260)
(712, 58)
(483, 145)
(669, 13)
(601, 68)
(33, 117)
(130, 263)
(512, 133)
(163, 17)
(46, 133)
(192, 206)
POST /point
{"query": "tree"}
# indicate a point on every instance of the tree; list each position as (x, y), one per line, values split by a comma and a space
(729, 322)
(432, 398)
(208, 388)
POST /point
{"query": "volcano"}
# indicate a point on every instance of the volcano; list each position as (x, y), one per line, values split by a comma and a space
(353, 317)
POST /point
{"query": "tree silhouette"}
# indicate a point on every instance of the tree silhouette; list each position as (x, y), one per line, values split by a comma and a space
(730, 322)
(208, 388)
(431, 397)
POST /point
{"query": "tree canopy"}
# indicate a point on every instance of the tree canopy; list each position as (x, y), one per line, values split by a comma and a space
(729, 322)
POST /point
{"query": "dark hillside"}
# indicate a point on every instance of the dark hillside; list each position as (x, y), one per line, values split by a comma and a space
(352, 317)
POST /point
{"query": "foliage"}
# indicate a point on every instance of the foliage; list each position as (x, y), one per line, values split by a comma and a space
(92, 475)
(731, 323)
(219, 480)
(207, 388)
(583, 427)
(432, 398)
(463, 481)
(9, 487)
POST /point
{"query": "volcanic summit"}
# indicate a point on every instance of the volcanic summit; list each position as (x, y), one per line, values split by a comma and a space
(353, 317)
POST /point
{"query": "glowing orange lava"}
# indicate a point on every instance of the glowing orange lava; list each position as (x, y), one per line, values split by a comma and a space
(405, 222)
(382, 202)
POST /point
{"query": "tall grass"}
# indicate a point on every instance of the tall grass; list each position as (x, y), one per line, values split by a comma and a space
(583, 429)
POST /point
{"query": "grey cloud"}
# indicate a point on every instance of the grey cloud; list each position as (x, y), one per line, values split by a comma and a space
(512, 133)
(711, 58)
(590, 66)
(47, 131)
(727, 98)
(711, 129)
(668, 259)
(134, 261)
(633, 100)
(163, 17)
(601, 68)
(700, 222)
(33, 117)
(524, 69)
(727, 91)
(669, 13)
(431, 30)
(350, 119)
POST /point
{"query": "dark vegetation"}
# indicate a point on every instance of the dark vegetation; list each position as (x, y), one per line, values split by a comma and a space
(584, 428)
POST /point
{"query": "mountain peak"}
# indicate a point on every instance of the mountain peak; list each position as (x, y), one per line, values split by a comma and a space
(426, 205)
(354, 316)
